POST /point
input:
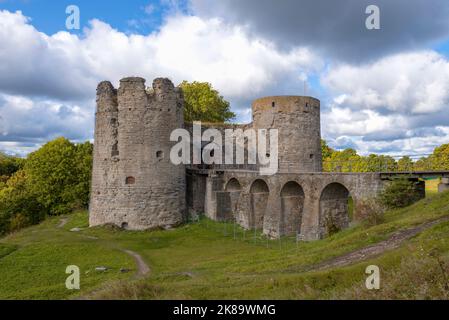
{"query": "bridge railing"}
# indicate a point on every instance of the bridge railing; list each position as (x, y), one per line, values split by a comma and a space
(411, 163)
(356, 164)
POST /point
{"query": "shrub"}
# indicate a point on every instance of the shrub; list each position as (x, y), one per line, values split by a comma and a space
(399, 193)
(18, 221)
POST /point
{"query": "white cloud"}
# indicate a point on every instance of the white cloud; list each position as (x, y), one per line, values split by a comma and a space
(396, 104)
(47, 82)
(186, 47)
(47, 70)
(27, 120)
(413, 83)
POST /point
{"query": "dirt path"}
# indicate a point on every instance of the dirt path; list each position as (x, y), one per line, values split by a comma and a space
(142, 267)
(395, 240)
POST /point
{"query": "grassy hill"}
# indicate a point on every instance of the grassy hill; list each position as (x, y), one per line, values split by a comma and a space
(210, 260)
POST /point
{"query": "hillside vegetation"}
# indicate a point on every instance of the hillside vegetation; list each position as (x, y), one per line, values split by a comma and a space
(211, 260)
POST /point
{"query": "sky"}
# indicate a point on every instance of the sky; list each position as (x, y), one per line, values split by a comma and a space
(382, 91)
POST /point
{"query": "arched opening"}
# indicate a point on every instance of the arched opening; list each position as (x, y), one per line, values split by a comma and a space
(233, 185)
(335, 203)
(292, 204)
(234, 188)
(130, 180)
(259, 199)
(124, 225)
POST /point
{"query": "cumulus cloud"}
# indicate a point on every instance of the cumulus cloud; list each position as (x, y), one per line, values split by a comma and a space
(414, 83)
(28, 120)
(61, 70)
(67, 66)
(337, 28)
(397, 104)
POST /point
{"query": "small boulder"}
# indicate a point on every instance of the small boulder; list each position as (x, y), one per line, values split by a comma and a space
(102, 269)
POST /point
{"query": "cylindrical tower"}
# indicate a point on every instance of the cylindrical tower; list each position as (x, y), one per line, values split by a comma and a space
(297, 119)
(145, 189)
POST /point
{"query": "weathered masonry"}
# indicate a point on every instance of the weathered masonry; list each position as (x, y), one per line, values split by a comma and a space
(135, 185)
(282, 204)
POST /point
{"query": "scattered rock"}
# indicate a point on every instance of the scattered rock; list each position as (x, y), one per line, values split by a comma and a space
(186, 274)
(123, 270)
(91, 237)
(101, 269)
(76, 229)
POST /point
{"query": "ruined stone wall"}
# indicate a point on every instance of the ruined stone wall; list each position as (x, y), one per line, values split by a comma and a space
(295, 202)
(298, 120)
(134, 183)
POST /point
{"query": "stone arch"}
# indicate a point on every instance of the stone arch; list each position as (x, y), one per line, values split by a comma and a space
(259, 192)
(234, 188)
(233, 185)
(334, 209)
(292, 204)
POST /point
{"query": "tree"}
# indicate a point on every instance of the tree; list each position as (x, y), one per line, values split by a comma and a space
(405, 164)
(423, 164)
(377, 163)
(343, 161)
(326, 150)
(83, 162)
(399, 193)
(204, 103)
(18, 205)
(59, 175)
(440, 158)
(8, 166)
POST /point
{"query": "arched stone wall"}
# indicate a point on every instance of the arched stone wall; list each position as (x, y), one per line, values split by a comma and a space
(234, 188)
(358, 186)
(334, 211)
(292, 205)
(259, 199)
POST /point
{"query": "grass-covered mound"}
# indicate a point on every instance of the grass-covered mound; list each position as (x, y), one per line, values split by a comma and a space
(210, 260)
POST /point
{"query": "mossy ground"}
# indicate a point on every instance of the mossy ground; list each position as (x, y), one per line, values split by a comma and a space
(210, 260)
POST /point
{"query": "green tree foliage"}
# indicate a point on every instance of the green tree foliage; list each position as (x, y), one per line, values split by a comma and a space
(204, 103)
(326, 151)
(18, 205)
(423, 164)
(8, 166)
(440, 158)
(349, 161)
(405, 164)
(54, 180)
(378, 163)
(57, 175)
(343, 161)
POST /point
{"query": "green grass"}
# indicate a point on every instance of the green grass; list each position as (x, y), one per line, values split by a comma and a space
(203, 260)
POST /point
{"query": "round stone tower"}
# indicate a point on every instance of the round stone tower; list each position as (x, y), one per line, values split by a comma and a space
(297, 119)
(134, 183)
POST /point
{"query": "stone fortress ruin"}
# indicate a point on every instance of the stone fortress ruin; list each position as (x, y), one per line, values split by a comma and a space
(137, 187)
